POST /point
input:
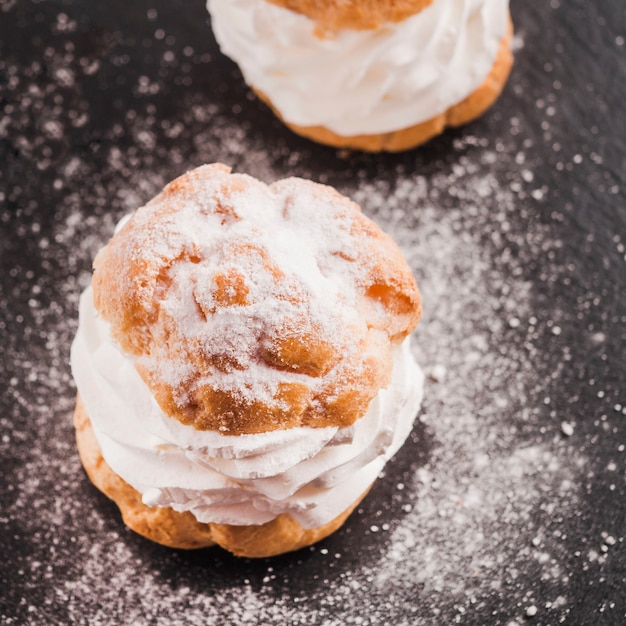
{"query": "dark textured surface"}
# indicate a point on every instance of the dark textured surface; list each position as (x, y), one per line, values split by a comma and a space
(508, 504)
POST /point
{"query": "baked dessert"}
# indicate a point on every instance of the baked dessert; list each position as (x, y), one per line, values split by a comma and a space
(369, 74)
(243, 363)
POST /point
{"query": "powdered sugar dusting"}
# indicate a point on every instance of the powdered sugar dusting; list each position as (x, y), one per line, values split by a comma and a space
(262, 294)
(456, 537)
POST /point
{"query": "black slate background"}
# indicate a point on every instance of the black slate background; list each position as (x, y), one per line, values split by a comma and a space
(56, 132)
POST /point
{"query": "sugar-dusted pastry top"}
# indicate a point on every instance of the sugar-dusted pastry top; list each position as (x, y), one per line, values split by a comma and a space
(358, 14)
(250, 308)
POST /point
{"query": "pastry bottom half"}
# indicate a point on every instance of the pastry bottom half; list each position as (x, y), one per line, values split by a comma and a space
(181, 530)
(406, 138)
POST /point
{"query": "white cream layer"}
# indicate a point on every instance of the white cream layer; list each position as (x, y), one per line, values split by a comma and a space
(311, 473)
(362, 81)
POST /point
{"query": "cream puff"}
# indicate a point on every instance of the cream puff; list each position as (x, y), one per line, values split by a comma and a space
(243, 362)
(369, 74)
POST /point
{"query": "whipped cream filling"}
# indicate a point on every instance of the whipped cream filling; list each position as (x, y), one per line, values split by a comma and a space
(311, 473)
(362, 81)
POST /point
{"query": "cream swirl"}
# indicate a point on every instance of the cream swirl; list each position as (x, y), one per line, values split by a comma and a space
(362, 81)
(311, 473)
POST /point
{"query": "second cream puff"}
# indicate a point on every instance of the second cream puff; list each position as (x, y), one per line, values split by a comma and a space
(369, 74)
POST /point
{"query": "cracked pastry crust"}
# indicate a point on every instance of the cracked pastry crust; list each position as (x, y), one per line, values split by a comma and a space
(330, 15)
(181, 530)
(229, 339)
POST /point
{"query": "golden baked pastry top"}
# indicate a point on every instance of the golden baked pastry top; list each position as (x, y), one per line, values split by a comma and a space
(250, 307)
(331, 15)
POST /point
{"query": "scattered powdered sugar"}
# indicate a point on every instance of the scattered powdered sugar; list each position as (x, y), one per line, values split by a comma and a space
(482, 484)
